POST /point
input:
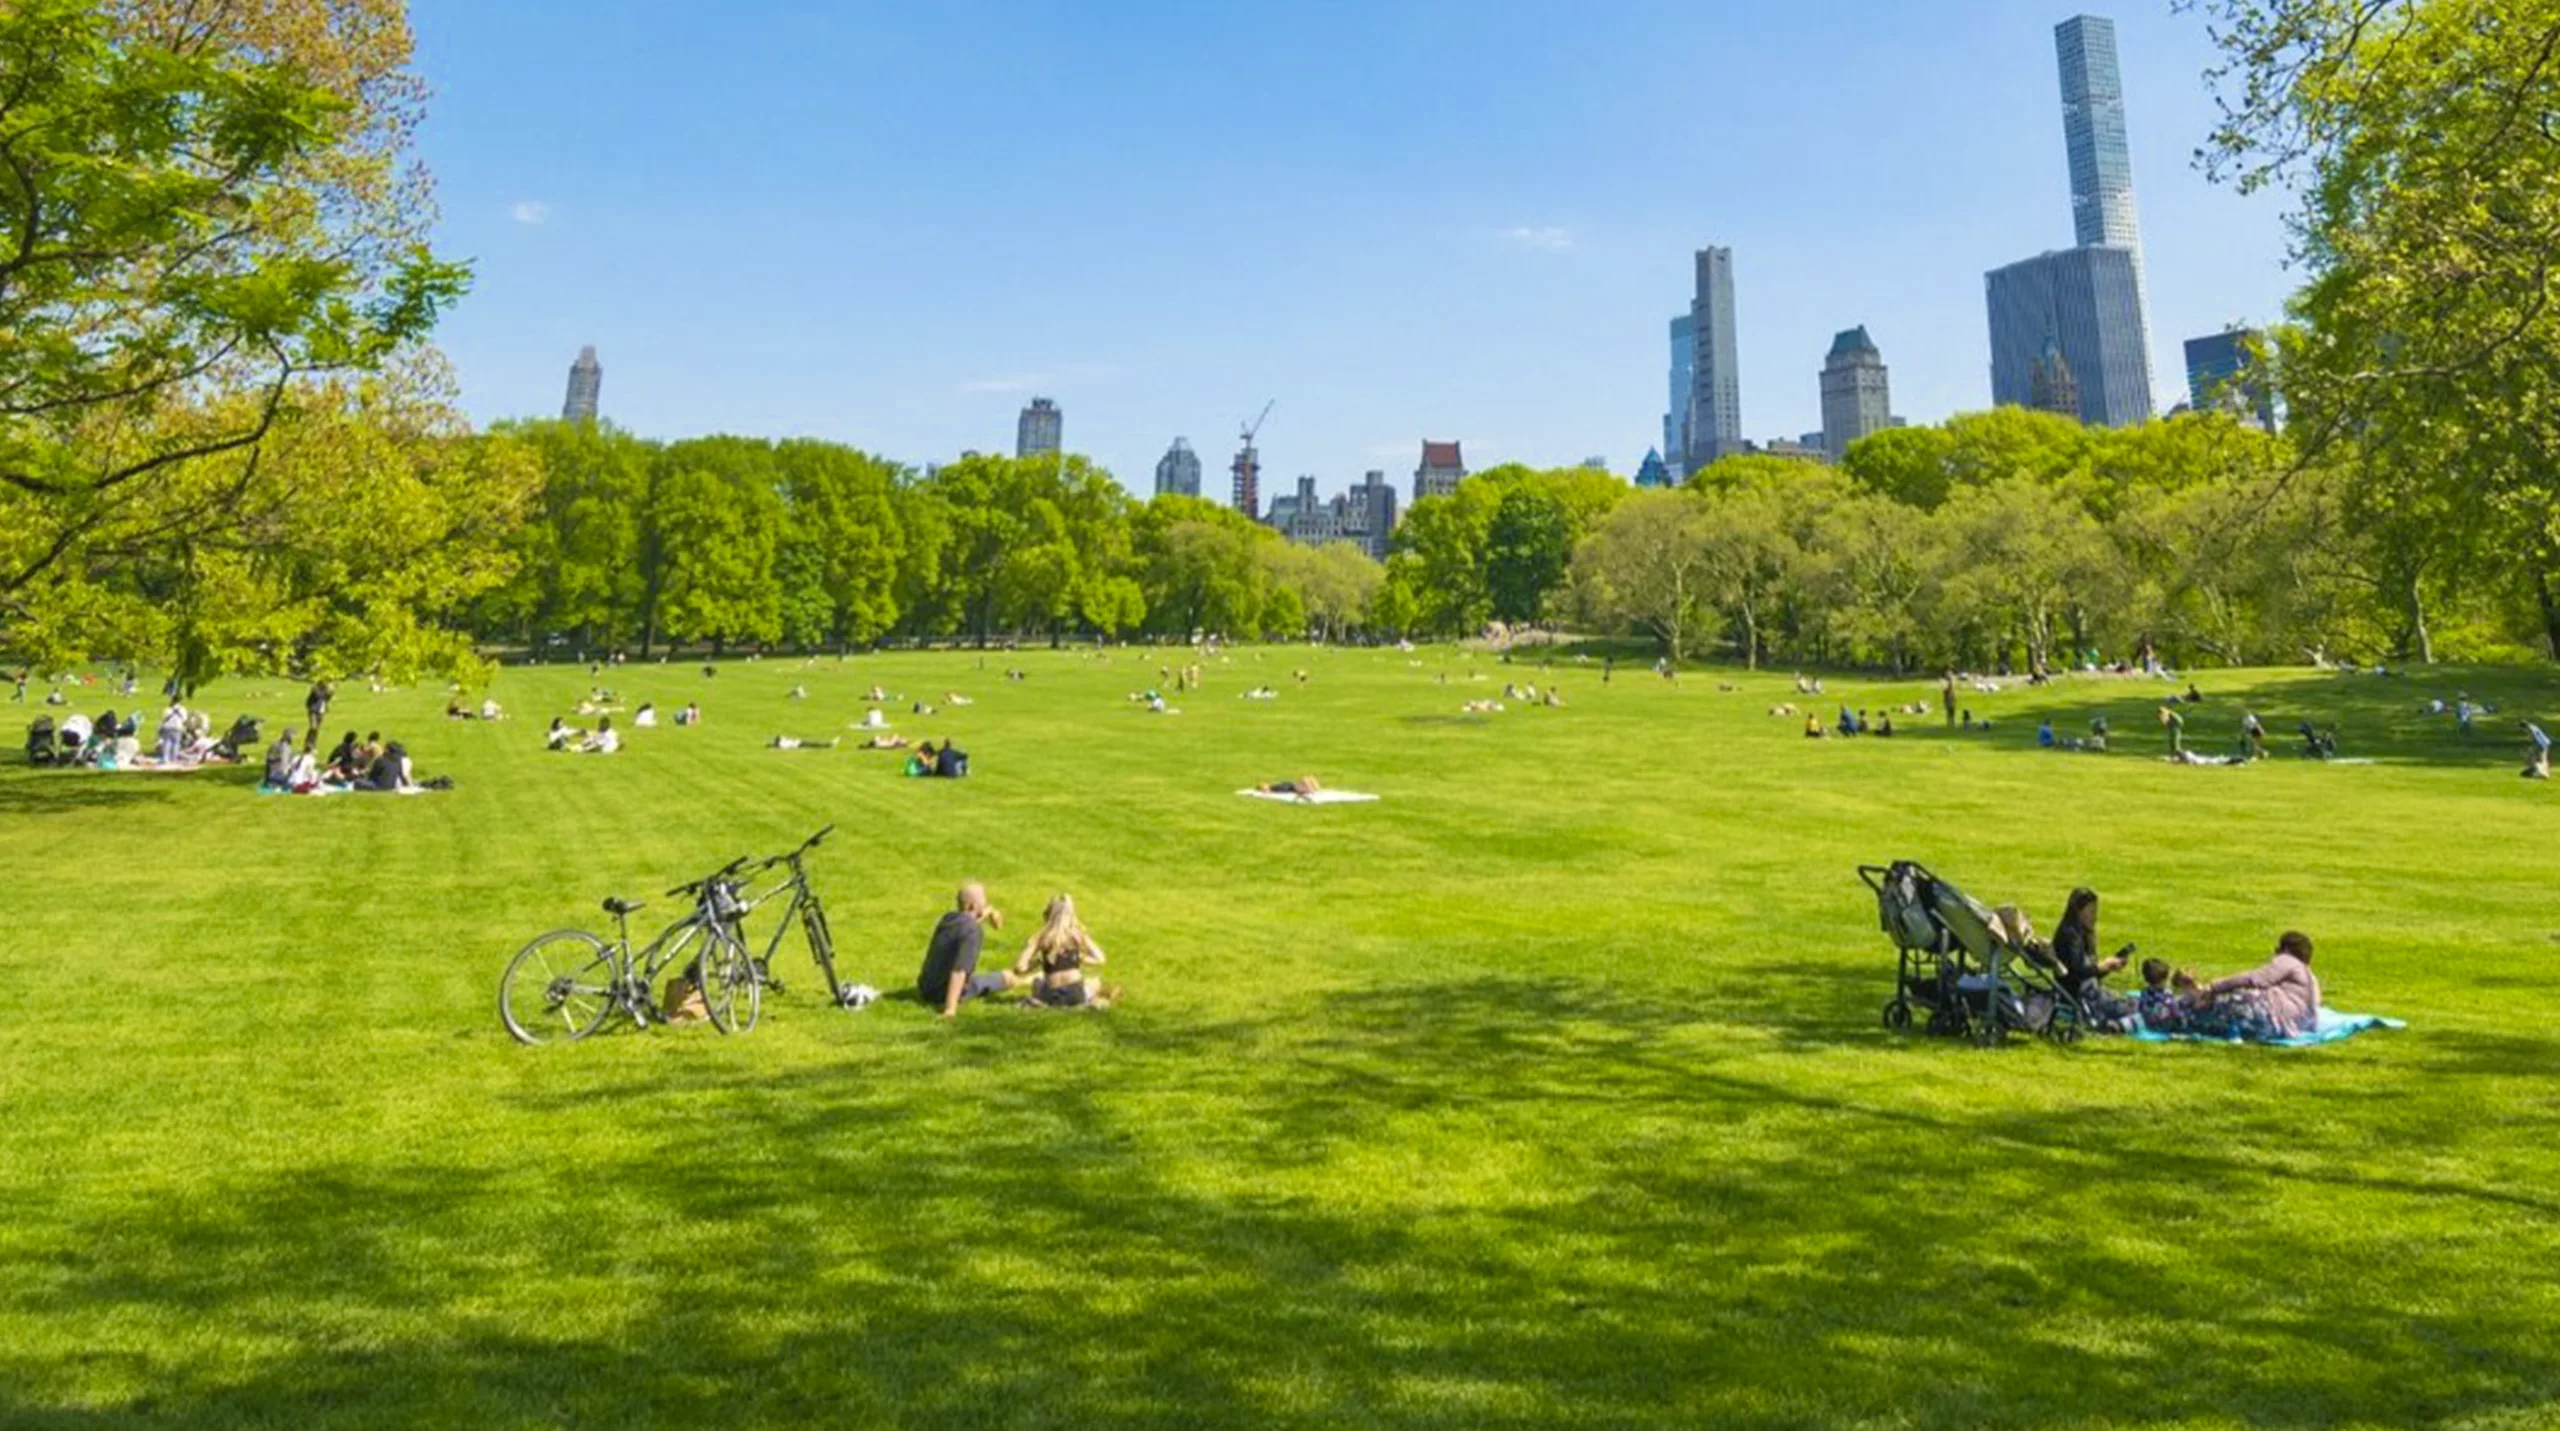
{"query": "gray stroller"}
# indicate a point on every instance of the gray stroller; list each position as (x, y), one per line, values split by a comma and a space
(1958, 969)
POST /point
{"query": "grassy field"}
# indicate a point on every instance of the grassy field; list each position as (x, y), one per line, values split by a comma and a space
(1549, 1091)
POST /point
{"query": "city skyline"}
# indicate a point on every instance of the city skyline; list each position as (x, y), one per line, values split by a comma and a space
(1533, 246)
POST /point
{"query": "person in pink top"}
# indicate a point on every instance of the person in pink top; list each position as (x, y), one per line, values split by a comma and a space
(2282, 996)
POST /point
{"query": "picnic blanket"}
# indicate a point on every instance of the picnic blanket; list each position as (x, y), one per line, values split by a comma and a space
(1321, 797)
(2333, 1027)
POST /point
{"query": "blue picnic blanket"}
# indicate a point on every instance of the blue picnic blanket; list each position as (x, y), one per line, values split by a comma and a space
(2333, 1027)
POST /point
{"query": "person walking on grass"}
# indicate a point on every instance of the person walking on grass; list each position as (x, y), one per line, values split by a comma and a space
(316, 704)
(2537, 752)
(950, 974)
(2176, 725)
(1947, 695)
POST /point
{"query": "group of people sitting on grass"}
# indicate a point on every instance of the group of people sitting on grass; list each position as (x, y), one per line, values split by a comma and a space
(1052, 966)
(564, 737)
(1852, 724)
(2278, 999)
(183, 740)
(371, 764)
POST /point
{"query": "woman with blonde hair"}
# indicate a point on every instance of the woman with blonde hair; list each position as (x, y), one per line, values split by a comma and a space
(1055, 961)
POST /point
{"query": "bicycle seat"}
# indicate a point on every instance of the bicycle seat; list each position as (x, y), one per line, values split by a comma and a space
(619, 907)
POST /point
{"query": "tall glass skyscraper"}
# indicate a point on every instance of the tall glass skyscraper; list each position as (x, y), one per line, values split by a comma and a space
(2223, 372)
(2075, 319)
(1178, 471)
(1684, 366)
(586, 388)
(1715, 380)
(2093, 131)
(2085, 303)
(1040, 431)
(2101, 156)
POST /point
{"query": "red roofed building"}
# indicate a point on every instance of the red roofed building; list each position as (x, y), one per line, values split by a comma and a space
(1441, 471)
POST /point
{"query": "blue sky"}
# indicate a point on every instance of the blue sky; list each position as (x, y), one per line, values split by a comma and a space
(891, 225)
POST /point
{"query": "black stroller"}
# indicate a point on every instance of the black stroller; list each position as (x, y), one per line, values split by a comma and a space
(44, 747)
(2318, 744)
(1960, 967)
(237, 741)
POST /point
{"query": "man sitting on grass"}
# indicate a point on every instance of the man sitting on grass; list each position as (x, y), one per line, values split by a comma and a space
(950, 974)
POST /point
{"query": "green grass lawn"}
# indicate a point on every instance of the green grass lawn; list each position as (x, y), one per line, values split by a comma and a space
(1549, 1091)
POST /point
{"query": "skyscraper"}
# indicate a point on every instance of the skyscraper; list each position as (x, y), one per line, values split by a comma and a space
(2221, 375)
(2083, 305)
(586, 387)
(1715, 378)
(1443, 468)
(1684, 366)
(1040, 431)
(1369, 514)
(1247, 471)
(1855, 397)
(2101, 156)
(1178, 471)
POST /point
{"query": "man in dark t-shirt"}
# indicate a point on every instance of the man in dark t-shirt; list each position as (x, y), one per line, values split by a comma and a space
(950, 975)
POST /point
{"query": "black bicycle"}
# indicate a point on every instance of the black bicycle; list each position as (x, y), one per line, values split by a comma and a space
(802, 911)
(570, 983)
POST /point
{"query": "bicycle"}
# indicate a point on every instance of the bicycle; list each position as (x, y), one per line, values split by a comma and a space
(569, 983)
(804, 912)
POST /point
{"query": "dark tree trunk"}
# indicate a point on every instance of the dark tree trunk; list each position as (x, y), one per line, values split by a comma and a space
(2550, 611)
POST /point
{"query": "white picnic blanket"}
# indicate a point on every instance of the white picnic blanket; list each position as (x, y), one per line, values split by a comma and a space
(1321, 797)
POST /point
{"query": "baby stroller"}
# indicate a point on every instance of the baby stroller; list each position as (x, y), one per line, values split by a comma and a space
(43, 748)
(1959, 967)
(2318, 744)
(243, 736)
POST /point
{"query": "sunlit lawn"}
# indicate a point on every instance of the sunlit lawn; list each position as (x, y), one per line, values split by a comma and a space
(1550, 1090)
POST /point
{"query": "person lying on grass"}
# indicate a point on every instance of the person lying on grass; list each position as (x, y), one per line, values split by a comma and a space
(950, 974)
(2278, 999)
(793, 742)
(1053, 963)
(884, 742)
(1303, 787)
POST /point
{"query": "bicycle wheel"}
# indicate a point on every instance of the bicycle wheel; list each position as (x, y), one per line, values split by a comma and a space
(557, 989)
(731, 988)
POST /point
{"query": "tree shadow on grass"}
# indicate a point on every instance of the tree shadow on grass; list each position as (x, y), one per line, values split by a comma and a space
(74, 792)
(1502, 1203)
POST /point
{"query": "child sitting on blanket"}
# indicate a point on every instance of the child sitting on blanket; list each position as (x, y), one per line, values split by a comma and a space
(2167, 997)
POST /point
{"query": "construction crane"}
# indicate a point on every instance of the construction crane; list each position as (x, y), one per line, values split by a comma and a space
(1248, 468)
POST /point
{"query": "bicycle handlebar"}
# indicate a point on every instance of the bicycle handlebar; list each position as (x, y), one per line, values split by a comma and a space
(792, 858)
(714, 877)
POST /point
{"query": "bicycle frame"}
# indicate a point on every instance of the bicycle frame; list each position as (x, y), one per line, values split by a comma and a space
(804, 909)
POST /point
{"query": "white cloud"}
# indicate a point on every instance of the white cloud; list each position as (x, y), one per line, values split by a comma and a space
(529, 211)
(1545, 238)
